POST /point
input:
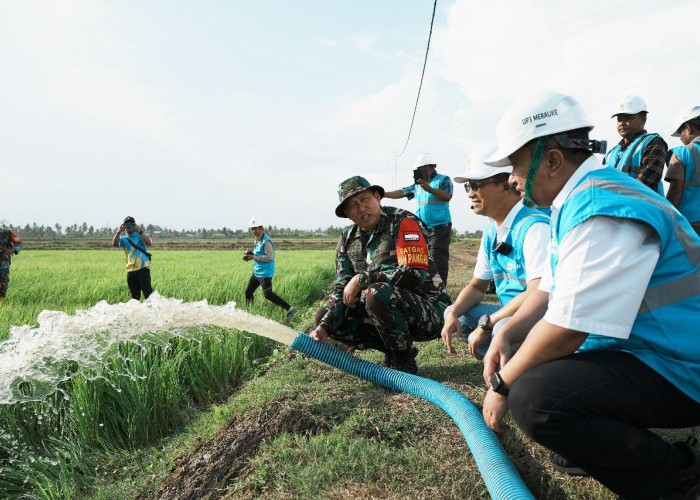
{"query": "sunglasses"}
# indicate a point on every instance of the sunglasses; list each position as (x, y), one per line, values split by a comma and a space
(476, 185)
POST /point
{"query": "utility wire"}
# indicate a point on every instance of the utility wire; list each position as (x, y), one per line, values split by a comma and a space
(415, 108)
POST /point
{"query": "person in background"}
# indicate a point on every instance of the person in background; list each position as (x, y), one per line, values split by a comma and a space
(263, 257)
(639, 154)
(683, 174)
(512, 253)
(10, 245)
(384, 254)
(138, 259)
(433, 193)
(609, 341)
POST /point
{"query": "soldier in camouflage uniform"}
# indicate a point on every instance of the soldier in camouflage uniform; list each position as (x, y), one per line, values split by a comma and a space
(10, 244)
(385, 254)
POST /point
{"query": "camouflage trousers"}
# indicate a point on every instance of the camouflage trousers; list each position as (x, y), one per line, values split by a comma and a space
(4, 274)
(388, 317)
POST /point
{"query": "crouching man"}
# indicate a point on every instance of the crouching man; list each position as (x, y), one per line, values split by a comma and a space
(385, 255)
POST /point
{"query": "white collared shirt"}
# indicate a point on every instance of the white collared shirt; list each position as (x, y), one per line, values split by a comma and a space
(534, 247)
(603, 271)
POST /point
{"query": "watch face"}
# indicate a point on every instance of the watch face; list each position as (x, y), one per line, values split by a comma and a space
(495, 381)
(483, 321)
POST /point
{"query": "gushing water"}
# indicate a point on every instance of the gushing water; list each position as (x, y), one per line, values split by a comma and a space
(33, 359)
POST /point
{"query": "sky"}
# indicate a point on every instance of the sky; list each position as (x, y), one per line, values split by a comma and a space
(204, 114)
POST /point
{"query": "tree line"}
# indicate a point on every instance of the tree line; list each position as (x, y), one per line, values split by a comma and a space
(57, 231)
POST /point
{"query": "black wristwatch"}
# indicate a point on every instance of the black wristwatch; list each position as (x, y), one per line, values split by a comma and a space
(497, 384)
(484, 323)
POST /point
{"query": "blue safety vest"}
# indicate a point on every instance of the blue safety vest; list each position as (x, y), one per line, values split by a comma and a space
(263, 269)
(664, 335)
(629, 161)
(690, 199)
(431, 209)
(509, 269)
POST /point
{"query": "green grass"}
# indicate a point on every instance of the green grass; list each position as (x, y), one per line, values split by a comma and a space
(56, 448)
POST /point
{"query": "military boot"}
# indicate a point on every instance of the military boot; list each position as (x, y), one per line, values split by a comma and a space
(405, 360)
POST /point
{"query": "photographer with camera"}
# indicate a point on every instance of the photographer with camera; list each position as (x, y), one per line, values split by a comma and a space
(433, 193)
(138, 260)
(263, 257)
(10, 244)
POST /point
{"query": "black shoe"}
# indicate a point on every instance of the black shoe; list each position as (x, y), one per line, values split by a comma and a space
(405, 360)
(563, 465)
(685, 484)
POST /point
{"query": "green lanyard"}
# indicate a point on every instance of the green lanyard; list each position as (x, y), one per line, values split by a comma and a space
(528, 200)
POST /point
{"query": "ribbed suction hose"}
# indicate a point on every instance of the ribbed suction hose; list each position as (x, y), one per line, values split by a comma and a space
(502, 479)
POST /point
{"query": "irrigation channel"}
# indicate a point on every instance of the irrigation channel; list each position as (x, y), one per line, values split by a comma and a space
(33, 360)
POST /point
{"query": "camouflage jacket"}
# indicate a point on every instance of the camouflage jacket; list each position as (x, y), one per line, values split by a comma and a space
(8, 240)
(395, 252)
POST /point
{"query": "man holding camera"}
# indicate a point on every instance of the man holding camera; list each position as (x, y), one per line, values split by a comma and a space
(138, 260)
(10, 245)
(263, 257)
(433, 193)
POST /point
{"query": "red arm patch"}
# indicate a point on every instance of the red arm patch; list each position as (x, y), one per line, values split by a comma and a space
(411, 247)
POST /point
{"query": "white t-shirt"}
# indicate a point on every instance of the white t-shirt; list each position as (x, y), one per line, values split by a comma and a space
(534, 248)
(604, 268)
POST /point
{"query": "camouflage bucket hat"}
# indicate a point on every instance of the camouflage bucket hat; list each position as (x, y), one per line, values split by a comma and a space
(352, 186)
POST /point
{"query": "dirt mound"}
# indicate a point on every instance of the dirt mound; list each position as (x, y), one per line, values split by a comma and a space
(216, 462)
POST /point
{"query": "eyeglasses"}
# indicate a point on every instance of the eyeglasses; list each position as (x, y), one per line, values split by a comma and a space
(476, 185)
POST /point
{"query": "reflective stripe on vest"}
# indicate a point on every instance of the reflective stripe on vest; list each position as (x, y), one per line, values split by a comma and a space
(664, 334)
(629, 161)
(263, 269)
(431, 209)
(509, 273)
(690, 198)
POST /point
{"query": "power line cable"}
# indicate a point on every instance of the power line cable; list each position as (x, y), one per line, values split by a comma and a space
(425, 62)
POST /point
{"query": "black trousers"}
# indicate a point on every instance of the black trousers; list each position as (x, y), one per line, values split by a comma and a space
(254, 282)
(439, 245)
(139, 281)
(595, 408)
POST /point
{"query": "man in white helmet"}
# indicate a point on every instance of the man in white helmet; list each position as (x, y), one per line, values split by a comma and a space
(263, 257)
(683, 174)
(610, 346)
(512, 253)
(433, 193)
(639, 154)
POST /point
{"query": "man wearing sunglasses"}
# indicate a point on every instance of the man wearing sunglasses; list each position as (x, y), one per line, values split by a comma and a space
(512, 253)
(138, 260)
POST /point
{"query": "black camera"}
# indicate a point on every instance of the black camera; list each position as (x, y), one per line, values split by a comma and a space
(419, 174)
(249, 252)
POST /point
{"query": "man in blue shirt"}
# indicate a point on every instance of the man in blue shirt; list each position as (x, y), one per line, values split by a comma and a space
(138, 260)
(433, 193)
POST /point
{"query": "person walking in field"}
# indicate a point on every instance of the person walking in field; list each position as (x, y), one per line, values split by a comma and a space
(683, 174)
(433, 193)
(138, 260)
(384, 254)
(512, 253)
(10, 245)
(610, 340)
(263, 257)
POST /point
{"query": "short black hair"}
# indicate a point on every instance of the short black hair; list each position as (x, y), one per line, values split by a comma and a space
(129, 219)
(694, 124)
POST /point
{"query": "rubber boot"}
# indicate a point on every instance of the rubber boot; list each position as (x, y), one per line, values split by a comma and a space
(405, 360)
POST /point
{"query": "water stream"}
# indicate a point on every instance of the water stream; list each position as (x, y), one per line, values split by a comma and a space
(33, 360)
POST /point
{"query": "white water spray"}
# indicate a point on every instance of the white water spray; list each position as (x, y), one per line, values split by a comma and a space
(37, 356)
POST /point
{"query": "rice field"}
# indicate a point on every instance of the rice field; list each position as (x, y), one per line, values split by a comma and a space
(54, 448)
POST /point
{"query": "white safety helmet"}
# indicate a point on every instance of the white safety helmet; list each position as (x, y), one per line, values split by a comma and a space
(631, 105)
(477, 169)
(683, 117)
(537, 115)
(255, 222)
(424, 159)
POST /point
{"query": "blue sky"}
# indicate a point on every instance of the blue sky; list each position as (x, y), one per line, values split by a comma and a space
(203, 114)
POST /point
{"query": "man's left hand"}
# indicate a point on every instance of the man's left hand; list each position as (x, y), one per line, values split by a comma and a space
(247, 257)
(351, 294)
(425, 185)
(495, 409)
